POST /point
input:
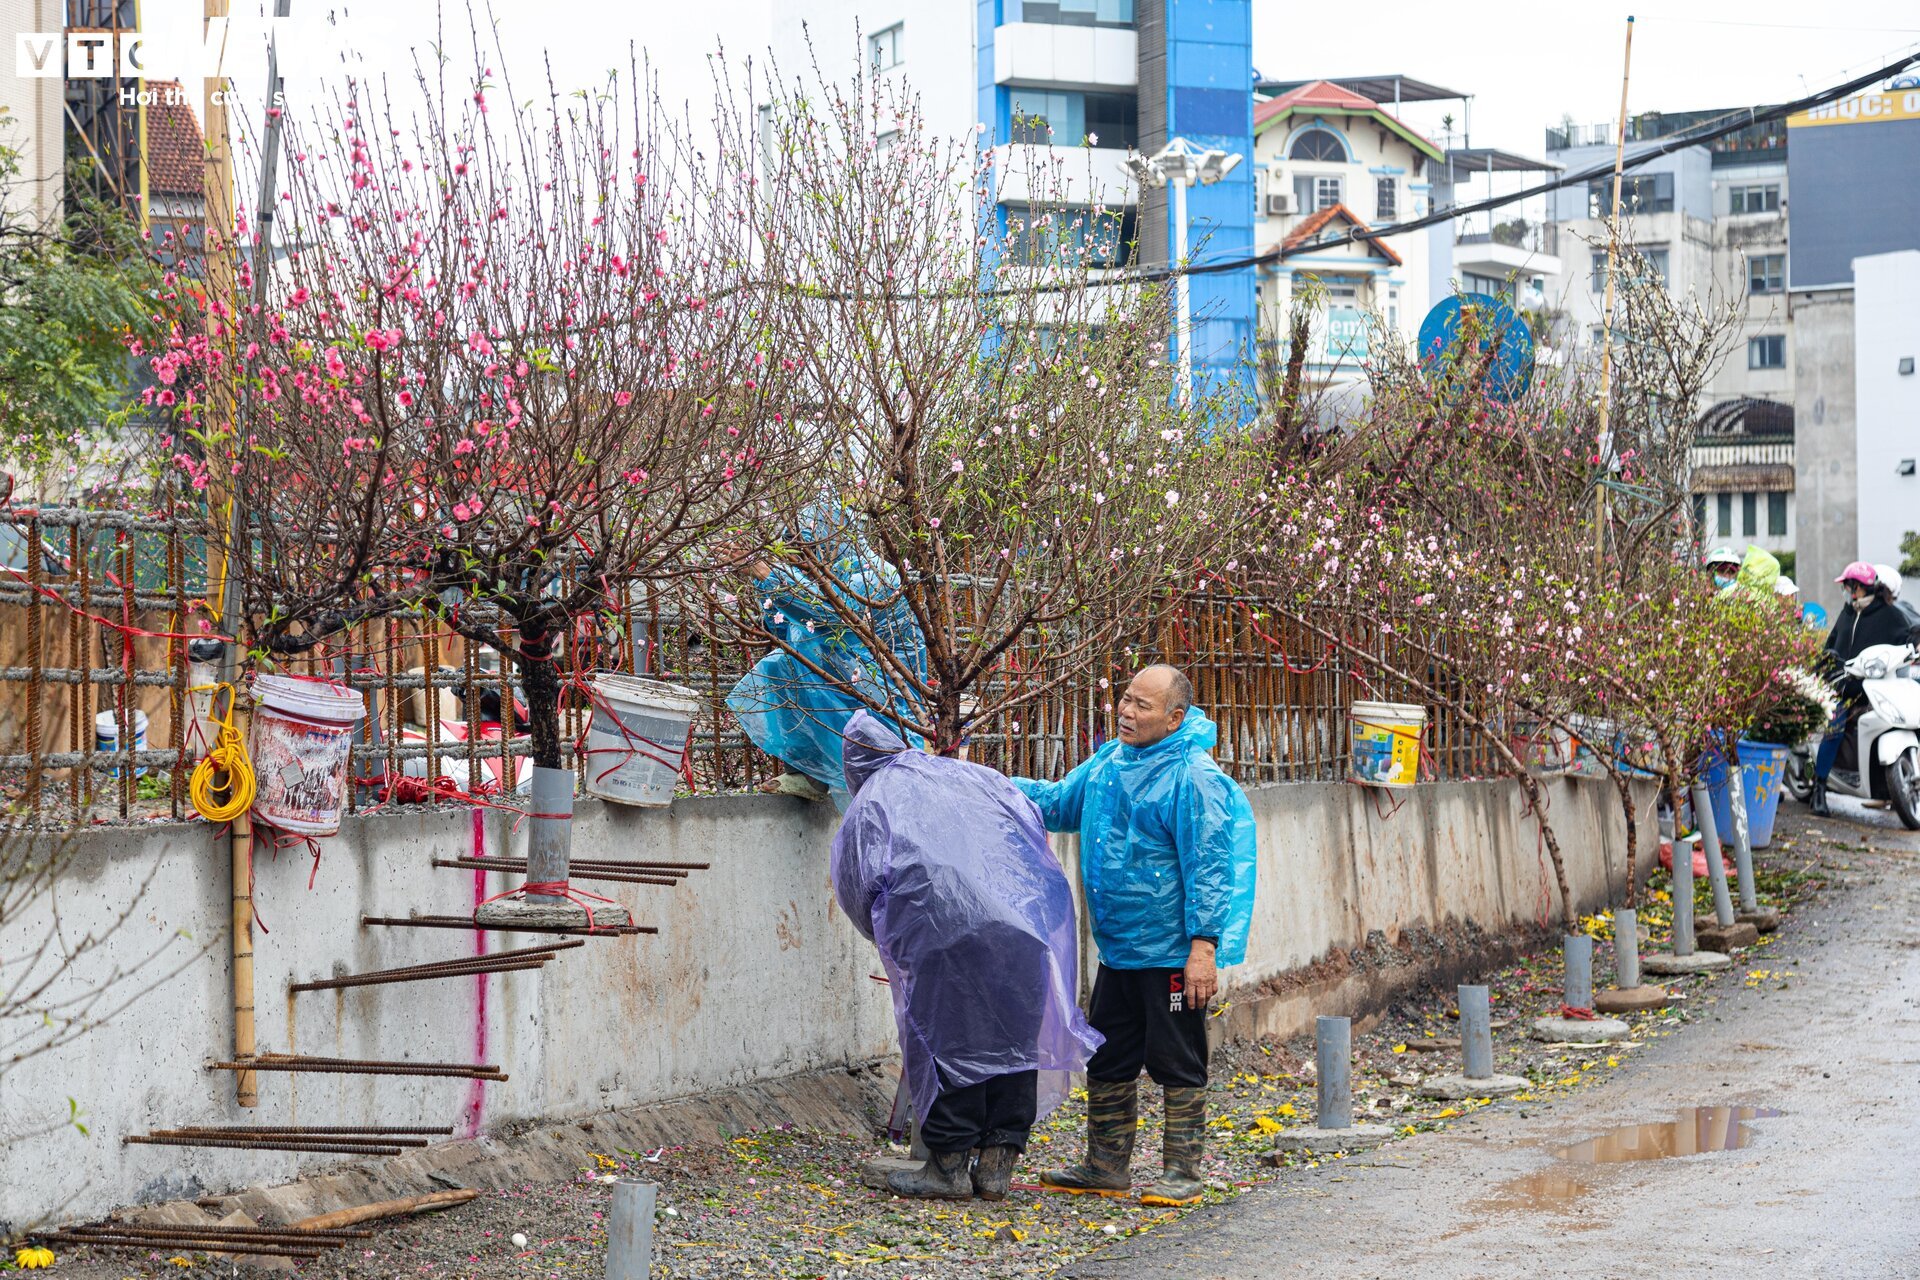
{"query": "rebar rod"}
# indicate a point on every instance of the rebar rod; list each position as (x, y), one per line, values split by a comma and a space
(545, 951)
(342, 1139)
(193, 1244)
(360, 1066)
(342, 1130)
(465, 922)
(417, 975)
(214, 1230)
(573, 872)
(339, 1148)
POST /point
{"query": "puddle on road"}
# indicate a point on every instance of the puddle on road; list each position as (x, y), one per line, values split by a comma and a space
(1563, 1189)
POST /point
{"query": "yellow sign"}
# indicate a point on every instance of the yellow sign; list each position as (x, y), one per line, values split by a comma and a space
(1866, 108)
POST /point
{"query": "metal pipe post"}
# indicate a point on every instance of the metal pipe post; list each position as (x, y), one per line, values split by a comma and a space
(630, 1231)
(1577, 949)
(550, 831)
(1742, 841)
(1333, 1057)
(1683, 897)
(1716, 868)
(1476, 1032)
(1626, 948)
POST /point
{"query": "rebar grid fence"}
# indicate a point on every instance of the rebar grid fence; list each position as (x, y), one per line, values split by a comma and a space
(98, 608)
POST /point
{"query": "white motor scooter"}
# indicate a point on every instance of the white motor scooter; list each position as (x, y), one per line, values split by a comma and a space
(1888, 733)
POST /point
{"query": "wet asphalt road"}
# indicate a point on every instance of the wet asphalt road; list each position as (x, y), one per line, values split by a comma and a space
(1830, 1188)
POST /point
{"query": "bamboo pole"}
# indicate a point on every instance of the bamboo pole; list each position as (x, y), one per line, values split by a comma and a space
(1606, 316)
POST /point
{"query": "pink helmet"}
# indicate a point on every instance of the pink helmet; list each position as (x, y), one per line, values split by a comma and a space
(1860, 572)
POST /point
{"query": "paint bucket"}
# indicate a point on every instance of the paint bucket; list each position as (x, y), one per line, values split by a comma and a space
(637, 741)
(106, 737)
(302, 732)
(1386, 743)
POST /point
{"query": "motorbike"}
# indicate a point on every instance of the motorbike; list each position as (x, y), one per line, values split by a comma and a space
(1887, 735)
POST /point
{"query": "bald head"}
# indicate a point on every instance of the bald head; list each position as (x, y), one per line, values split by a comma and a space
(1154, 705)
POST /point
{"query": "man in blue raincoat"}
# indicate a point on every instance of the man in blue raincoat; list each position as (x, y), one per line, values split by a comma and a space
(1167, 860)
(796, 702)
(945, 866)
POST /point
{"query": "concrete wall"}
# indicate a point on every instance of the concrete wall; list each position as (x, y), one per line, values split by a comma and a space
(1886, 325)
(1826, 466)
(754, 975)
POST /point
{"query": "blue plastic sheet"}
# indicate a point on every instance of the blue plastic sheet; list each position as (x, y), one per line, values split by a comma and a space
(797, 714)
(1167, 849)
(944, 865)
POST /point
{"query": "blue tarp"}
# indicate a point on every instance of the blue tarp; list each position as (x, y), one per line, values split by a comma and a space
(945, 866)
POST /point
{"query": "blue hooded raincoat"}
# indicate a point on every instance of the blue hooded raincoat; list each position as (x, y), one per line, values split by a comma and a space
(945, 867)
(1167, 849)
(791, 712)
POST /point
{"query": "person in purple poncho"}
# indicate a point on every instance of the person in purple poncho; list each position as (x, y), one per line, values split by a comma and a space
(945, 867)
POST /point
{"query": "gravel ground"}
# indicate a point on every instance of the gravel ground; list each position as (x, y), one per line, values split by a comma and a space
(790, 1204)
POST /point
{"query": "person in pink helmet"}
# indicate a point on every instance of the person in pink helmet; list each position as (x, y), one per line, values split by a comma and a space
(1869, 619)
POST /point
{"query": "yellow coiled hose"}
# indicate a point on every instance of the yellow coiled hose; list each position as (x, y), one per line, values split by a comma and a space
(225, 768)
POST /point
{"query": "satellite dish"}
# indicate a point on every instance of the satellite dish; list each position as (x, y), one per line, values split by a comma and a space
(1491, 321)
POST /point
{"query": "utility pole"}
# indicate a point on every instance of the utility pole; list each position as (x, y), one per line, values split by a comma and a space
(1606, 317)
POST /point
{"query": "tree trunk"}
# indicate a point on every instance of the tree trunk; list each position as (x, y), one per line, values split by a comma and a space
(1569, 918)
(540, 679)
(1624, 785)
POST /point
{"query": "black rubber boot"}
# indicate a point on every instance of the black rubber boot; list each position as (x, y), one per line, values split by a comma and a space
(942, 1177)
(1113, 1119)
(1821, 809)
(1185, 1137)
(993, 1172)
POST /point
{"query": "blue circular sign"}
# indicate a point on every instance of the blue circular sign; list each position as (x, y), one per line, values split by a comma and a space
(1490, 320)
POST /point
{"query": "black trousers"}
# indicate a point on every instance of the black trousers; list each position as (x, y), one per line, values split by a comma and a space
(994, 1113)
(1148, 1023)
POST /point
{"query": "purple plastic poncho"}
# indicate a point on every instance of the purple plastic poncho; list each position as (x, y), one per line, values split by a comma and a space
(945, 866)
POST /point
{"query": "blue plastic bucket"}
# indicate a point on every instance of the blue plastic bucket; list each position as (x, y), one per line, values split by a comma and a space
(1764, 766)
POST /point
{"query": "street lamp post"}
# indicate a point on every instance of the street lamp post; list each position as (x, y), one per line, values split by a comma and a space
(1182, 164)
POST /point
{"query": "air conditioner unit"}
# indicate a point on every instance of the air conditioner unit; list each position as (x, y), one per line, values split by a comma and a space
(1279, 204)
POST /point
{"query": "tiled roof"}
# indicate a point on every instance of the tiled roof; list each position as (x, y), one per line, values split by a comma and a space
(176, 149)
(1324, 94)
(1311, 226)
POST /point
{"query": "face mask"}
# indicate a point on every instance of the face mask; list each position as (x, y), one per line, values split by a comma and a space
(1722, 580)
(1860, 602)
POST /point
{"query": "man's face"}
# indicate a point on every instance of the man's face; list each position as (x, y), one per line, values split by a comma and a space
(1144, 714)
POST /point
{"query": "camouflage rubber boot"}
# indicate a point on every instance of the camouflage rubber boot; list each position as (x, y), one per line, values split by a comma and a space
(942, 1177)
(1113, 1117)
(1185, 1137)
(993, 1172)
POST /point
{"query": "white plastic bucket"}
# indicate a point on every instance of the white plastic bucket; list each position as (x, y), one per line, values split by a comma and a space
(106, 737)
(1386, 743)
(302, 732)
(637, 741)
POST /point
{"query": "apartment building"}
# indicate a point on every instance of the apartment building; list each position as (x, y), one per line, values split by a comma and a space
(1099, 77)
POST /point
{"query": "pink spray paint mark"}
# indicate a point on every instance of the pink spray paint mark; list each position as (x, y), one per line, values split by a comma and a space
(477, 1089)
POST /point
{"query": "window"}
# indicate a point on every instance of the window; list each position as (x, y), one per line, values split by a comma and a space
(1492, 286)
(1599, 273)
(1038, 235)
(1598, 336)
(883, 47)
(1386, 199)
(1112, 120)
(1313, 192)
(1767, 273)
(1070, 119)
(1700, 513)
(1725, 503)
(883, 143)
(1657, 259)
(1749, 506)
(1079, 13)
(1761, 198)
(1776, 515)
(1639, 193)
(1767, 352)
(1318, 144)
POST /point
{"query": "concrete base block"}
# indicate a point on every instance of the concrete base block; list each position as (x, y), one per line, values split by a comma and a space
(1580, 1030)
(1765, 919)
(1714, 937)
(1671, 966)
(1632, 1000)
(1318, 1141)
(1454, 1088)
(508, 912)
